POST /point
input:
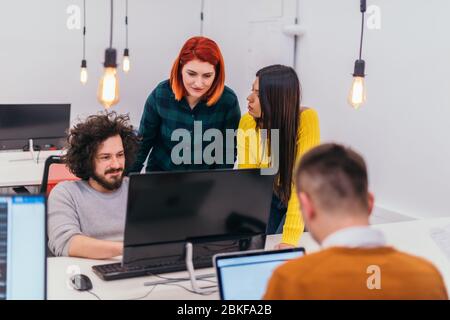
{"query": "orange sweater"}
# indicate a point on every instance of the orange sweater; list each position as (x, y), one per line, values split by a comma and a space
(342, 273)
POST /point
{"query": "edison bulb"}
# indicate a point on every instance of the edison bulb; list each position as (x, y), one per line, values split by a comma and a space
(83, 75)
(108, 90)
(357, 95)
(126, 64)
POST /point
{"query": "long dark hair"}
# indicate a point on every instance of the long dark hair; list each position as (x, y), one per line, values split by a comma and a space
(279, 96)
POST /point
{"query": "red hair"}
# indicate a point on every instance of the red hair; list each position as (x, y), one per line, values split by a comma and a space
(205, 50)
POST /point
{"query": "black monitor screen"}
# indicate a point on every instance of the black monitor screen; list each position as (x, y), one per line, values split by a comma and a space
(178, 206)
(46, 124)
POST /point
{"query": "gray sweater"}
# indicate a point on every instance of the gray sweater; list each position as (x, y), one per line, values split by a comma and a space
(76, 208)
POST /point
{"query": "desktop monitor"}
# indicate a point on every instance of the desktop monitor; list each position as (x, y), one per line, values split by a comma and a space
(215, 210)
(22, 247)
(46, 124)
(245, 275)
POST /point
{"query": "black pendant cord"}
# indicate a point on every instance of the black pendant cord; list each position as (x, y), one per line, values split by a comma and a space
(84, 29)
(296, 36)
(110, 53)
(126, 24)
(362, 37)
(363, 10)
(202, 17)
(111, 26)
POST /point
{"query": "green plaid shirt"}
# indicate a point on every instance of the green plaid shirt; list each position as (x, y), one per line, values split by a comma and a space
(163, 114)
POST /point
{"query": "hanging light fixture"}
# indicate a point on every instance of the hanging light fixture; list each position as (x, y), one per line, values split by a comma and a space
(126, 52)
(108, 89)
(83, 72)
(357, 95)
(202, 17)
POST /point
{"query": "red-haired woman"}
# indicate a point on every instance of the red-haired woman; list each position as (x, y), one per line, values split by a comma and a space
(193, 100)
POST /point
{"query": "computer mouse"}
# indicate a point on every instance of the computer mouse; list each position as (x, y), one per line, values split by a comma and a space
(81, 282)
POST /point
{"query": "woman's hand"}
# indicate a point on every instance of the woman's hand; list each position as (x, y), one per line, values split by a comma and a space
(283, 246)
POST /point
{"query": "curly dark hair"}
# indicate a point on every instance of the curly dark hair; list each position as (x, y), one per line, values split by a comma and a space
(85, 137)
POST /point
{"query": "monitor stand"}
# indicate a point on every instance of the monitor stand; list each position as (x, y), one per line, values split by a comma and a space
(190, 267)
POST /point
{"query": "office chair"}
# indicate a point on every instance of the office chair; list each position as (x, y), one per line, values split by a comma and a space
(55, 171)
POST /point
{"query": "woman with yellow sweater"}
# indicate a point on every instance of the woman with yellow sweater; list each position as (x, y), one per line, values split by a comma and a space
(274, 103)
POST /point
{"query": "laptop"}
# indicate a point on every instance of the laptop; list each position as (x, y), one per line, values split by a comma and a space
(245, 275)
(22, 247)
(217, 211)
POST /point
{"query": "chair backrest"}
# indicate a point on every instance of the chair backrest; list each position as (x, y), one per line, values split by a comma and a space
(55, 171)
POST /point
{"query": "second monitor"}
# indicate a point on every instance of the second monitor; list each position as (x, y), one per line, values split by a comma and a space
(196, 206)
(217, 211)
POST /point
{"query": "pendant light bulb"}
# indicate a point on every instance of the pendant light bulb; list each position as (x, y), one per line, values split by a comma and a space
(357, 95)
(126, 61)
(83, 72)
(108, 89)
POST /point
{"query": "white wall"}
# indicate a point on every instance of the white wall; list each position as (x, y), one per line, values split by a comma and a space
(40, 57)
(403, 130)
(249, 33)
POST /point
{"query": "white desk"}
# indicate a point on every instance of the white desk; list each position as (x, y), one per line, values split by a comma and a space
(61, 269)
(18, 169)
(412, 237)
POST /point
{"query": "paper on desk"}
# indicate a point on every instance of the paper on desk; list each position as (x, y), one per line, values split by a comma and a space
(442, 238)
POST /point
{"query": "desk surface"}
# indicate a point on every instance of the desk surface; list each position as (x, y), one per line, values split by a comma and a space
(412, 237)
(19, 169)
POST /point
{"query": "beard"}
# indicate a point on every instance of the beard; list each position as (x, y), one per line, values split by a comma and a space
(111, 185)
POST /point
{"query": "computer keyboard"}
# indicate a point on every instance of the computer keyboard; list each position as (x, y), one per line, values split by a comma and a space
(115, 271)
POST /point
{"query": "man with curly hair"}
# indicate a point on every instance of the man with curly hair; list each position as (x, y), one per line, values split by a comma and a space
(86, 218)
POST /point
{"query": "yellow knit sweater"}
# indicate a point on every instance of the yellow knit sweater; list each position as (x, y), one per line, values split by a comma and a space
(252, 155)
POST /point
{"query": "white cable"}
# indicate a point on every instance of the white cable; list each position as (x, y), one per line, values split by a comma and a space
(166, 280)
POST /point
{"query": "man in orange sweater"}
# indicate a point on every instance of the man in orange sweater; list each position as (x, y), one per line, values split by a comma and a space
(355, 262)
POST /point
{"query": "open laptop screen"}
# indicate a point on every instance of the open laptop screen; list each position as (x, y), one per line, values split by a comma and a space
(22, 247)
(244, 276)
